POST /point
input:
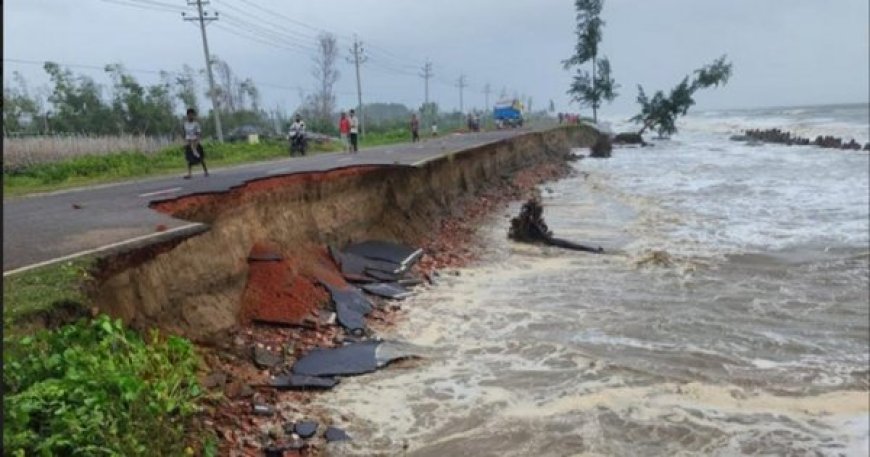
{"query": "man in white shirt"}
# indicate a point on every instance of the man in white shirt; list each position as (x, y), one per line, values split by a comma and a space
(354, 132)
(193, 151)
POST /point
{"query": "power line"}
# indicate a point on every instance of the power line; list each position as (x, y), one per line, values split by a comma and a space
(358, 58)
(461, 84)
(427, 75)
(203, 18)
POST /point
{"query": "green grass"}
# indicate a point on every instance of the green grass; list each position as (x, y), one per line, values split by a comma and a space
(92, 387)
(96, 169)
(98, 388)
(99, 169)
(44, 289)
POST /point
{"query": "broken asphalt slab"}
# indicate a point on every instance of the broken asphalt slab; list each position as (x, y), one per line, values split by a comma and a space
(387, 251)
(302, 382)
(305, 429)
(353, 359)
(336, 434)
(387, 290)
(351, 307)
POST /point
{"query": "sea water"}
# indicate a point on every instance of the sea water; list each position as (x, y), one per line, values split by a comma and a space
(729, 315)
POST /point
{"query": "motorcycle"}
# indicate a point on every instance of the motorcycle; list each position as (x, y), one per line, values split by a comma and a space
(298, 143)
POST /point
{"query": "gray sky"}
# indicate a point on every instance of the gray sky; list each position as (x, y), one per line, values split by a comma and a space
(785, 52)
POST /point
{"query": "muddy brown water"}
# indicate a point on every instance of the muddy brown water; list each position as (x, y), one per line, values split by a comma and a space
(729, 317)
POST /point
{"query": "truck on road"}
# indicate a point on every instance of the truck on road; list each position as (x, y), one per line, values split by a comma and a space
(508, 113)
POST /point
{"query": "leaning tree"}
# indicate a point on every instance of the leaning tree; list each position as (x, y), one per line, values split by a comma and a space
(660, 112)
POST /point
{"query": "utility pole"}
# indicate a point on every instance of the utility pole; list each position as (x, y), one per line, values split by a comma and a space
(426, 75)
(486, 91)
(461, 84)
(203, 18)
(358, 58)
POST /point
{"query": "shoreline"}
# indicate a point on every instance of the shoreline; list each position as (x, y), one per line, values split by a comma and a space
(212, 289)
(454, 245)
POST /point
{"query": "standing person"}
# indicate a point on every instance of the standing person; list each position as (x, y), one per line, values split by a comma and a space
(415, 129)
(193, 151)
(297, 136)
(434, 128)
(354, 131)
(344, 131)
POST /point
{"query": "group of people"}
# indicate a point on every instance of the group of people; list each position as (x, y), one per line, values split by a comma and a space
(348, 128)
(570, 119)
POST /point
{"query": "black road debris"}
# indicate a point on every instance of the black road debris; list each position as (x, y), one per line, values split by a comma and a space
(302, 382)
(392, 290)
(305, 429)
(336, 434)
(354, 359)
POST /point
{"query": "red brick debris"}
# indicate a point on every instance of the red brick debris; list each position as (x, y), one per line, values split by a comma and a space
(289, 292)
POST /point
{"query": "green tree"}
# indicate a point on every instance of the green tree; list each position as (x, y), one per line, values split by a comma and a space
(142, 110)
(660, 112)
(78, 103)
(21, 111)
(185, 88)
(590, 90)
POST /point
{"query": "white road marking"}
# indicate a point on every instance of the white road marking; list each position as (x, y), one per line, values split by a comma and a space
(96, 250)
(164, 191)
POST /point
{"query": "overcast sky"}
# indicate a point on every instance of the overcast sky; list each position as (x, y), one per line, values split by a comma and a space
(785, 52)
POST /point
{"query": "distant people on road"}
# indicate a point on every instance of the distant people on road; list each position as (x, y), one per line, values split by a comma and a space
(193, 151)
(561, 118)
(415, 129)
(434, 128)
(354, 132)
(344, 131)
(297, 136)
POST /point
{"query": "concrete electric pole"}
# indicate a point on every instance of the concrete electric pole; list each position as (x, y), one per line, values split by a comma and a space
(486, 91)
(357, 57)
(461, 84)
(203, 18)
(426, 75)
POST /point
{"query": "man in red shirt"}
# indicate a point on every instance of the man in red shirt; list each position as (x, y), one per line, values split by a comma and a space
(344, 130)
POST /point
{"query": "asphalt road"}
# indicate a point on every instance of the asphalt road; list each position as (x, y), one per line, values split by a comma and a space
(46, 228)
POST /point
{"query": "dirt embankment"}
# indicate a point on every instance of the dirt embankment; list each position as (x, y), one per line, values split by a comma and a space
(198, 287)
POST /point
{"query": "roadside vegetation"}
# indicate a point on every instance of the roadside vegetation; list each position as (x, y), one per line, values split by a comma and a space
(91, 387)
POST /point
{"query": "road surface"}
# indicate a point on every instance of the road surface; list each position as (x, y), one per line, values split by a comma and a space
(46, 228)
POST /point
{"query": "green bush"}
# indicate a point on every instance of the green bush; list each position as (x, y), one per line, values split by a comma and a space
(96, 388)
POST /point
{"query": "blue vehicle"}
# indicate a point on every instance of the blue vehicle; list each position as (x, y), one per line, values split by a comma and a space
(508, 113)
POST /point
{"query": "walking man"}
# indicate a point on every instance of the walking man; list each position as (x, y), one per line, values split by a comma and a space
(354, 132)
(415, 129)
(193, 151)
(344, 131)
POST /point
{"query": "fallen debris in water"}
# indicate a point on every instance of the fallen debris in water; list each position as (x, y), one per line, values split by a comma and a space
(305, 429)
(529, 227)
(353, 359)
(387, 290)
(336, 434)
(387, 251)
(787, 138)
(302, 382)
